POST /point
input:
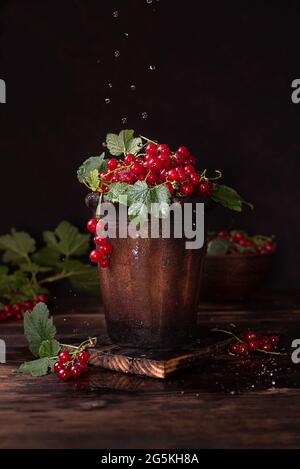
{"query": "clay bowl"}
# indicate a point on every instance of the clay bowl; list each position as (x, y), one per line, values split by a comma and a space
(234, 278)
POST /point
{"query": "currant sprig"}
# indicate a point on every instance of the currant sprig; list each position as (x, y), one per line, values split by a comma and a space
(74, 362)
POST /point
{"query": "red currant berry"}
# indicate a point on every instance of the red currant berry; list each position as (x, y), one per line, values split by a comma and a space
(249, 336)
(152, 178)
(205, 188)
(238, 236)
(266, 347)
(184, 152)
(274, 339)
(104, 262)
(42, 298)
(223, 234)
(129, 159)
(233, 348)
(105, 176)
(76, 370)
(95, 256)
(179, 158)
(163, 148)
(172, 175)
(253, 345)
(181, 177)
(263, 339)
(106, 249)
(187, 189)
(189, 169)
(137, 168)
(268, 247)
(64, 357)
(16, 308)
(64, 374)
(151, 148)
(245, 243)
(242, 349)
(165, 159)
(112, 164)
(92, 225)
(7, 312)
(83, 357)
(57, 367)
(195, 179)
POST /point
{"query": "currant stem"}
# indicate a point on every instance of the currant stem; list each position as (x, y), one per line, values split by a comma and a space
(216, 329)
(148, 140)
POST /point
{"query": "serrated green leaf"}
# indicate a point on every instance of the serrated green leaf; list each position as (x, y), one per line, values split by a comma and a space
(34, 268)
(39, 367)
(86, 280)
(218, 246)
(49, 348)
(139, 201)
(92, 180)
(123, 143)
(47, 256)
(17, 246)
(92, 163)
(116, 190)
(160, 196)
(38, 327)
(228, 197)
(67, 240)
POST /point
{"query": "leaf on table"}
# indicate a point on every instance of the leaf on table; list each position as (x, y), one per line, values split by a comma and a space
(92, 163)
(39, 367)
(67, 240)
(16, 246)
(123, 143)
(38, 326)
(218, 246)
(49, 348)
(228, 197)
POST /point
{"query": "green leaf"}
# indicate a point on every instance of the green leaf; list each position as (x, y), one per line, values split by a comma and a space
(34, 268)
(67, 240)
(116, 190)
(46, 256)
(38, 327)
(92, 163)
(93, 180)
(160, 195)
(123, 143)
(86, 280)
(139, 201)
(228, 197)
(49, 348)
(38, 367)
(218, 246)
(17, 246)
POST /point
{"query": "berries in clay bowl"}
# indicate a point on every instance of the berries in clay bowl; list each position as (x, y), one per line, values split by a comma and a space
(236, 265)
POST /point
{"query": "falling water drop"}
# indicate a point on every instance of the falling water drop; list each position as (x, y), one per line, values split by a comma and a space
(117, 53)
(152, 67)
(107, 100)
(149, 1)
(110, 85)
(132, 87)
(115, 14)
(144, 115)
(124, 120)
(126, 34)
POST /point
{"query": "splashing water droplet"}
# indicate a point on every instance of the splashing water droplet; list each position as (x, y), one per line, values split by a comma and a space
(144, 115)
(110, 85)
(124, 120)
(115, 14)
(107, 100)
(132, 87)
(273, 383)
(126, 34)
(117, 53)
(152, 67)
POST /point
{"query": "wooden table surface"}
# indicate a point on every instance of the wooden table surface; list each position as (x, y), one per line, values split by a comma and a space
(224, 403)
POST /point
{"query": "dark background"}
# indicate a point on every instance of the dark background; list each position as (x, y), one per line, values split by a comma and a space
(222, 86)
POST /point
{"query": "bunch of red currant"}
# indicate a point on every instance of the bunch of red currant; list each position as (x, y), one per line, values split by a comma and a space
(256, 244)
(252, 342)
(105, 249)
(17, 310)
(71, 365)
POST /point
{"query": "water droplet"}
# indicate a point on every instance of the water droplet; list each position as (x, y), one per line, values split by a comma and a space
(152, 67)
(132, 87)
(98, 61)
(149, 1)
(144, 115)
(110, 85)
(124, 120)
(117, 53)
(273, 383)
(126, 34)
(107, 100)
(104, 144)
(115, 14)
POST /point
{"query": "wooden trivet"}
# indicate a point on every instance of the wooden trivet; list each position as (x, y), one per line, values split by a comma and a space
(155, 364)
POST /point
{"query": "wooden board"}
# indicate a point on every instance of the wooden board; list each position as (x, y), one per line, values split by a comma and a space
(151, 363)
